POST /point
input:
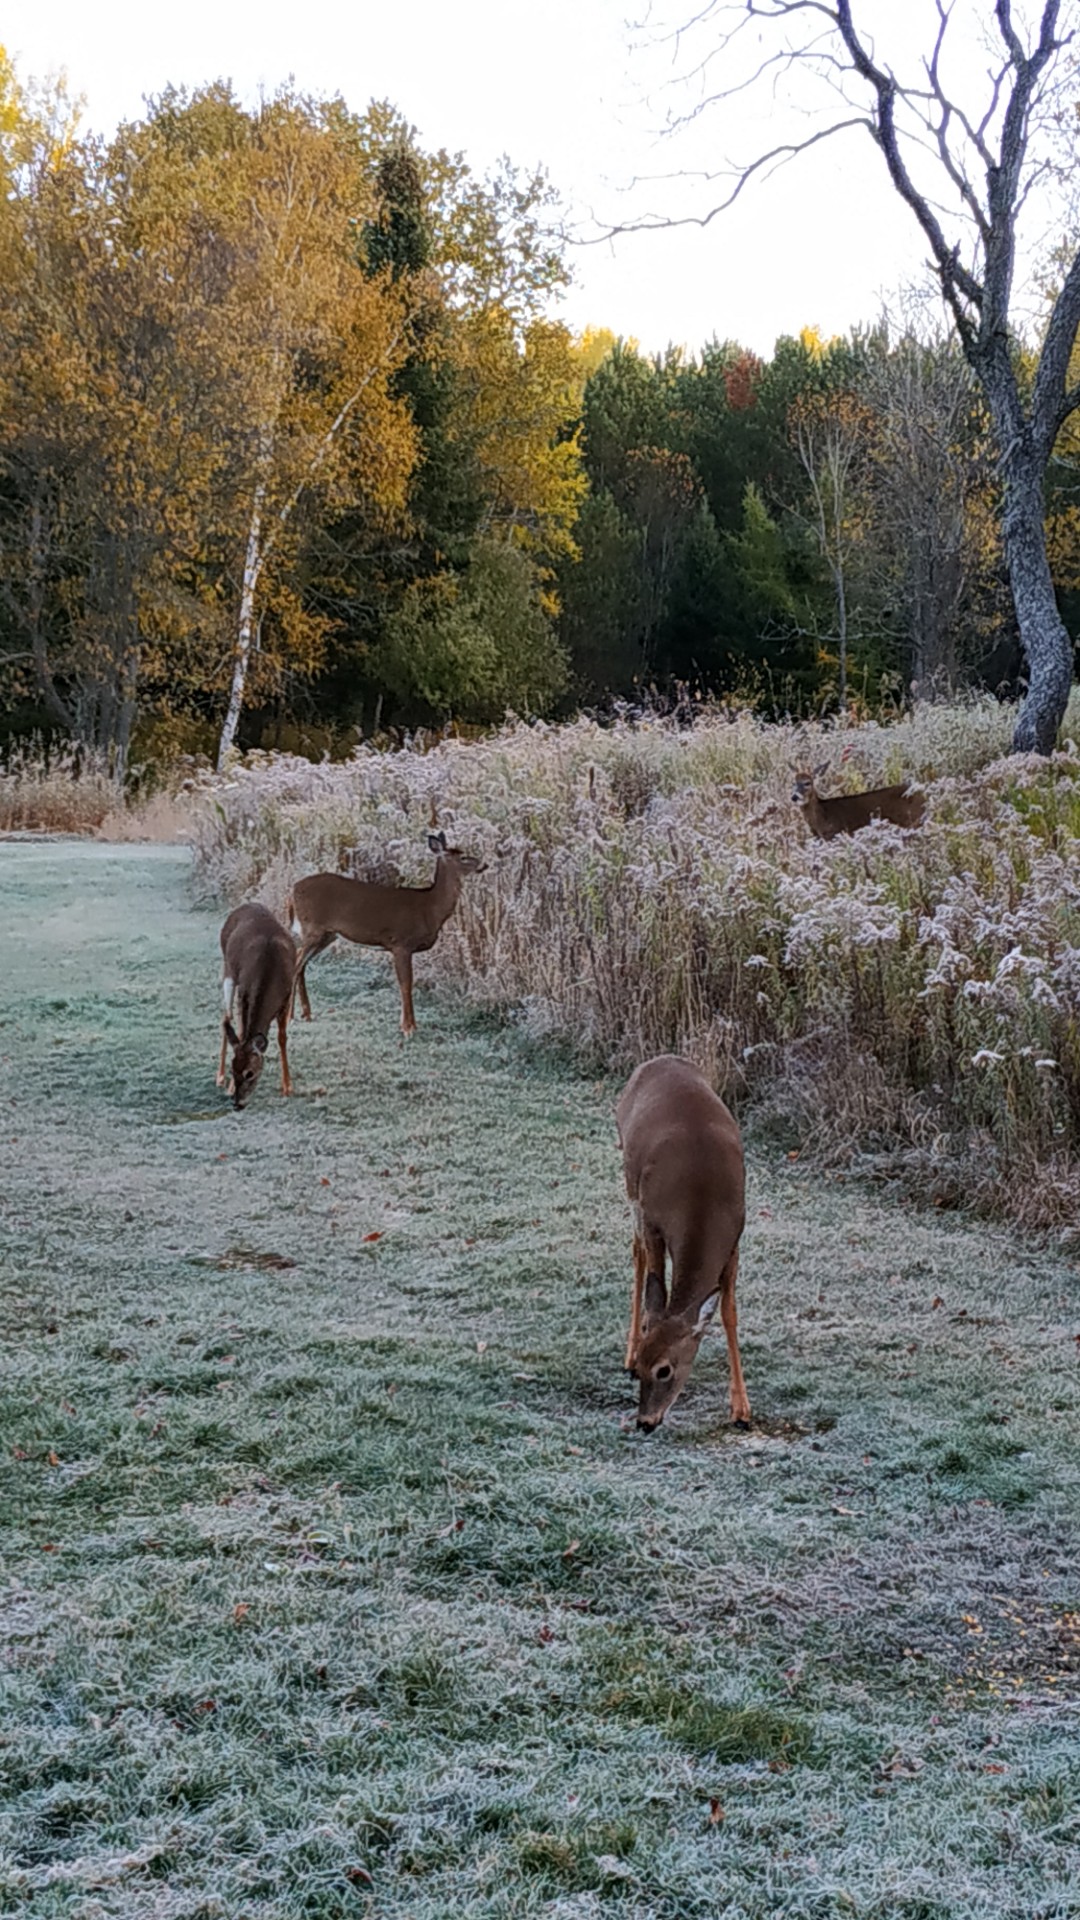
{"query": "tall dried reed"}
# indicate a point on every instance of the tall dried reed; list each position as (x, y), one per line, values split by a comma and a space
(911, 997)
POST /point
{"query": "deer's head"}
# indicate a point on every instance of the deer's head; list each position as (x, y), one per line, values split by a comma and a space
(247, 1064)
(461, 863)
(668, 1349)
(804, 783)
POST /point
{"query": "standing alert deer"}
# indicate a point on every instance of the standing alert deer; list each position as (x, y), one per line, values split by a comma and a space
(257, 959)
(847, 812)
(404, 920)
(683, 1160)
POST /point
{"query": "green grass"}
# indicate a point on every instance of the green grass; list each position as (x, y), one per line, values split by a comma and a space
(333, 1584)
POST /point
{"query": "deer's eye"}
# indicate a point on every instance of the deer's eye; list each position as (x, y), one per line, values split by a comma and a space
(663, 1372)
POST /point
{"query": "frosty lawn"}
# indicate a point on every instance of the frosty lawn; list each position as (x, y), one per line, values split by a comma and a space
(332, 1584)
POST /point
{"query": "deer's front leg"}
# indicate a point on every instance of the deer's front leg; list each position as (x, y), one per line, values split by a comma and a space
(740, 1404)
(282, 1022)
(637, 1288)
(403, 969)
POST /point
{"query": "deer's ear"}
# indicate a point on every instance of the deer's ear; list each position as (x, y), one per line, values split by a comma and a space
(260, 1042)
(655, 1296)
(436, 841)
(821, 770)
(705, 1313)
(231, 1034)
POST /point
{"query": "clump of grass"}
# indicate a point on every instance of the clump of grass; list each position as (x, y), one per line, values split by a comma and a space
(729, 1735)
(577, 1860)
(903, 999)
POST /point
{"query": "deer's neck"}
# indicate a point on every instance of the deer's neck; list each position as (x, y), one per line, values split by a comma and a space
(695, 1272)
(254, 1009)
(444, 891)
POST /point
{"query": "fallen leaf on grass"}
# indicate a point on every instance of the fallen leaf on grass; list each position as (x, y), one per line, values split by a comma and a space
(716, 1813)
(481, 1346)
(571, 1549)
(370, 1237)
(240, 1611)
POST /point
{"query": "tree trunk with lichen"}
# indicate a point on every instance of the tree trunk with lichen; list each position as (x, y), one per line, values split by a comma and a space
(1047, 648)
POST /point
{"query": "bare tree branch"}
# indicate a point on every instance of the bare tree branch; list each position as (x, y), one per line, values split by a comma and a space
(773, 160)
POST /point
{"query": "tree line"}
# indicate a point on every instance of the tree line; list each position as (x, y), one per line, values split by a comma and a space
(291, 434)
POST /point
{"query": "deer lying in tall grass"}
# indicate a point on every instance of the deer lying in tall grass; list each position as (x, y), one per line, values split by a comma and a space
(404, 920)
(683, 1160)
(847, 812)
(257, 958)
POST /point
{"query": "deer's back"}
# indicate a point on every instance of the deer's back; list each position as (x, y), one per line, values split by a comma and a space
(366, 911)
(256, 947)
(682, 1153)
(847, 812)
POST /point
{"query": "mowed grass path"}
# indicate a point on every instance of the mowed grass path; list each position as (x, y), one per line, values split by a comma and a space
(332, 1583)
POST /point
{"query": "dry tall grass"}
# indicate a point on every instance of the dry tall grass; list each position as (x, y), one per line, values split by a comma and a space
(914, 998)
(54, 790)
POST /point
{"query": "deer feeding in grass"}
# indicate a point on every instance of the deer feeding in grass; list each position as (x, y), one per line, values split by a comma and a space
(403, 920)
(847, 812)
(683, 1161)
(257, 956)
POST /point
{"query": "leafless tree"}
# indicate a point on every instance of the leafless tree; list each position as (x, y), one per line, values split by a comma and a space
(969, 169)
(829, 436)
(933, 499)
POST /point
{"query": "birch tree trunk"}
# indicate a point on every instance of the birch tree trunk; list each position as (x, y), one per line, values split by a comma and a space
(245, 632)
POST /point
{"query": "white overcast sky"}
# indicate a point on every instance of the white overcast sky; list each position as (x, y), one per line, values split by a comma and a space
(554, 81)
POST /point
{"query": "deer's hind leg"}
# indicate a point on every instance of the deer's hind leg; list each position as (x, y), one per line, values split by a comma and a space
(224, 1049)
(315, 943)
(740, 1404)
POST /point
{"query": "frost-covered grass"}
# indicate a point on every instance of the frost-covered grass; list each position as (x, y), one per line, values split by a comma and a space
(336, 1588)
(911, 1001)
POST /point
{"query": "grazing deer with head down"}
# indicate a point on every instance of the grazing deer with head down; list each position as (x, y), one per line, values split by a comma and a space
(847, 812)
(404, 920)
(257, 978)
(683, 1161)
